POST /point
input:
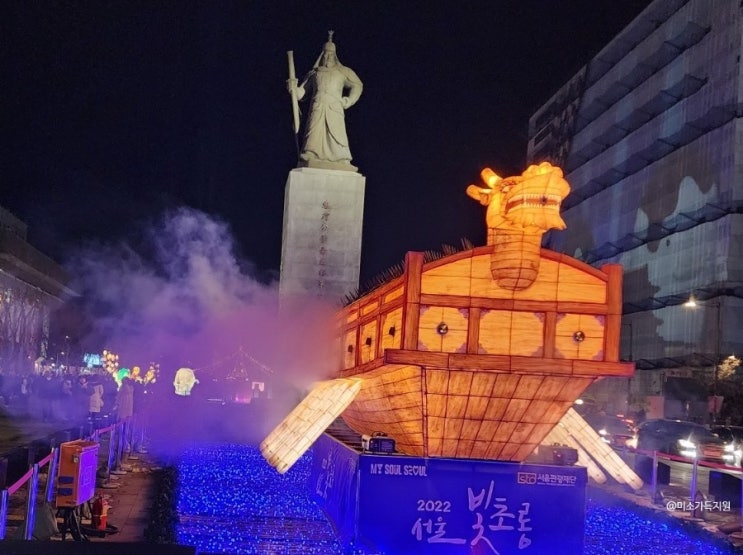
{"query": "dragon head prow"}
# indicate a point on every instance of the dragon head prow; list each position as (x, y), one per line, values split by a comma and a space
(520, 210)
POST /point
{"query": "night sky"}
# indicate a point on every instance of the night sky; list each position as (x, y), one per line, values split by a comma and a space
(116, 111)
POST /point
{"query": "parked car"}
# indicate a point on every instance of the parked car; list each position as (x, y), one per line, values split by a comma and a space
(613, 430)
(733, 438)
(684, 439)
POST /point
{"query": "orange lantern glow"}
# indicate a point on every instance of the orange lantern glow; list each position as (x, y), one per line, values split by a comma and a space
(489, 177)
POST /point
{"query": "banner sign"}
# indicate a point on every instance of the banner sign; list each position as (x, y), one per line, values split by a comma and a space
(434, 506)
(333, 484)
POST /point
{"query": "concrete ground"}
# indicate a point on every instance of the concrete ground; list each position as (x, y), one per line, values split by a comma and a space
(127, 492)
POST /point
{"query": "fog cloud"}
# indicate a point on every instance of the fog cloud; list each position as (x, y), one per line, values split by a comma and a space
(181, 297)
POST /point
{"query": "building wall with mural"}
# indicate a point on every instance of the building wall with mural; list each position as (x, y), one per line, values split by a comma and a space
(649, 133)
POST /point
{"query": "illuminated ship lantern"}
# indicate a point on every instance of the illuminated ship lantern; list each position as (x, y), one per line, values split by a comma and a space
(520, 210)
(478, 354)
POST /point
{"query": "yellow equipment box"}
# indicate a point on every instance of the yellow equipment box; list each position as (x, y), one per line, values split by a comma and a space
(78, 462)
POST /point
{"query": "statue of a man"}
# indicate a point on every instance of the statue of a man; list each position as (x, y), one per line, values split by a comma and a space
(325, 142)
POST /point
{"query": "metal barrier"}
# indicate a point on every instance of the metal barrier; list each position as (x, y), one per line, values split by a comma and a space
(31, 477)
(697, 500)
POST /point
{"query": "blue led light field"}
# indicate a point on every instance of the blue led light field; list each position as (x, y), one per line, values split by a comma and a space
(614, 527)
(232, 502)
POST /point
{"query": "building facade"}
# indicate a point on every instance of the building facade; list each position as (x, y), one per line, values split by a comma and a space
(32, 285)
(650, 135)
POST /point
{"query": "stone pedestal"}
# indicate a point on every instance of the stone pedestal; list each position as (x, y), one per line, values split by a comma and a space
(321, 245)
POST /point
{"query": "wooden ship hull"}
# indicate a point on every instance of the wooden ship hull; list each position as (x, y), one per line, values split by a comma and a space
(450, 364)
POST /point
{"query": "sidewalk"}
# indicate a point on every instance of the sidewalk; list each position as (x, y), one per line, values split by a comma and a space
(127, 492)
(129, 497)
(129, 501)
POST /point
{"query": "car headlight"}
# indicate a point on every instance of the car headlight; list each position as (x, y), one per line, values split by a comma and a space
(602, 432)
(686, 444)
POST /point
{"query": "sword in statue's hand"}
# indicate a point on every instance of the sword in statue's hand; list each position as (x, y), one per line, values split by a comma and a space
(293, 90)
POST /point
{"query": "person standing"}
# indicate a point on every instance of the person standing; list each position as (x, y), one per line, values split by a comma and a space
(95, 399)
(66, 405)
(325, 139)
(125, 409)
(23, 394)
(48, 391)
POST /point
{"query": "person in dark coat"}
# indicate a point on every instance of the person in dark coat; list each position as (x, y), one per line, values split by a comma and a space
(48, 390)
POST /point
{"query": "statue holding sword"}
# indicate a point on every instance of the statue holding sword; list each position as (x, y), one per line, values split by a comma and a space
(325, 143)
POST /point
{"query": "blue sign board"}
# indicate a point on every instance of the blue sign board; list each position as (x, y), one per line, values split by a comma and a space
(333, 485)
(415, 505)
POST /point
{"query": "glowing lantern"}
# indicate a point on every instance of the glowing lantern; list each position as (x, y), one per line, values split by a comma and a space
(184, 381)
(120, 375)
(489, 177)
(520, 210)
(152, 372)
(110, 361)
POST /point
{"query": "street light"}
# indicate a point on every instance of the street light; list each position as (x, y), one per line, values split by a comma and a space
(693, 303)
(67, 355)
